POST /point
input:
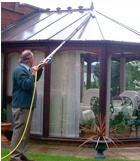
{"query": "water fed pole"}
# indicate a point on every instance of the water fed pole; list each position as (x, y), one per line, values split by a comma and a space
(68, 38)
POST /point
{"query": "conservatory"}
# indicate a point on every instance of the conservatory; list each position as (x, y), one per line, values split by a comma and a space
(89, 75)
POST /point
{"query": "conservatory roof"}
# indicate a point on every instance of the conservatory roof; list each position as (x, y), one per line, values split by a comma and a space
(72, 24)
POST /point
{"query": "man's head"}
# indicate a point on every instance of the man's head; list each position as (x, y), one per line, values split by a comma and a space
(27, 58)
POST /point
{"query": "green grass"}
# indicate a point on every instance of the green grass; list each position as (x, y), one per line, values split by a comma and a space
(46, 157)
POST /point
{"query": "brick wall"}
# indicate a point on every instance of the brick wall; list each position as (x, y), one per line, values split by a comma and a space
(8, 4)
(25, 9)
(12, 11)
(8, 17)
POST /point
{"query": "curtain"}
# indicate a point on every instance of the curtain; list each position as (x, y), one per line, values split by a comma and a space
(65, 94)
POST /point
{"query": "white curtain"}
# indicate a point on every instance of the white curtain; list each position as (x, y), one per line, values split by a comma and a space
(13, 61)
(65, 94)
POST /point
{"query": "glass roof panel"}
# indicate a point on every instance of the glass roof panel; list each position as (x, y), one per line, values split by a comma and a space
(14, 33)
(61, 24)
(114, 31)
(40, 25)
(58, 25)
(90, 32)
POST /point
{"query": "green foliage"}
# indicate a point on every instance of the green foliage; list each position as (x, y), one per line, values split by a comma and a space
(95, 84)
(48, 157)
(118, 122)
(132, 74)
(87, 124)
(96, 76)
(115, 78)
(3, 115)
(96, 70)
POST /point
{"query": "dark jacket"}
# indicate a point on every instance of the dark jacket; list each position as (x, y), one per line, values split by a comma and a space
(23, 86)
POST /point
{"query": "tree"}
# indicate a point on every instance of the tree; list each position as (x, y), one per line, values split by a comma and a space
(132, 73)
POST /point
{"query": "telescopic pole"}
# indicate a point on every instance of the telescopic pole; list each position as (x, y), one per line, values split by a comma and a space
(67, 39)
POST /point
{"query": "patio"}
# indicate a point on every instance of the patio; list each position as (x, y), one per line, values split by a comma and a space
(68, 149)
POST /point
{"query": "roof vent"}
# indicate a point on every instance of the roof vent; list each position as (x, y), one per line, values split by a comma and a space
(81, 9)
(58, 9)
(69, 8)
(47, 9)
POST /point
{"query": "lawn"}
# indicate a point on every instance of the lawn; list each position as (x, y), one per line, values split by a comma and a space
(45, 157)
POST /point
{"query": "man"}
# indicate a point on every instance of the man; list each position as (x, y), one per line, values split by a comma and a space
(23, 85)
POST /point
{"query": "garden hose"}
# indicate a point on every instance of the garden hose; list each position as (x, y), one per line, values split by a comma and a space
(30, 110)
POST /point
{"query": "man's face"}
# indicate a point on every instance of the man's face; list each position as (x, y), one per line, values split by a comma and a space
(31, 61)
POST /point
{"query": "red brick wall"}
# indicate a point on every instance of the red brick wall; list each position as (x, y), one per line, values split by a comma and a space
(8, 17)
(8, 4)
(10, 14)
(25, 9)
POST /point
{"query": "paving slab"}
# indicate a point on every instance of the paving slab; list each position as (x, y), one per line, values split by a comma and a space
(132, 153)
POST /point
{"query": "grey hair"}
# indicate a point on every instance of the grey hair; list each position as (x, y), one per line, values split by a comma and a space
(25, 56)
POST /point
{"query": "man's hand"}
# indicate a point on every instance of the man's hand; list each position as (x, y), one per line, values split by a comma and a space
(34, 69)
(42, 64)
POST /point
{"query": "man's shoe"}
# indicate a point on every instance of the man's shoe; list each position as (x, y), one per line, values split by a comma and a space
(23, 158)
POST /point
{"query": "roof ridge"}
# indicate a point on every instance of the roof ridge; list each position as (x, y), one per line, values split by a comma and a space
(69, 8)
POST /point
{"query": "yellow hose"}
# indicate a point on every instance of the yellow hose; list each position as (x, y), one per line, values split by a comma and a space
(31, 105)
